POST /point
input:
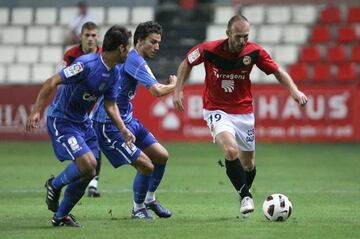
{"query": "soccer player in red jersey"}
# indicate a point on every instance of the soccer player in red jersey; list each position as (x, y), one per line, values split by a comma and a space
(89, 37)
(88, 44)
(227, 99)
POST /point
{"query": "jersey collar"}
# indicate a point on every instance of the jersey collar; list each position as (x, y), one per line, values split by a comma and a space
(107, 67)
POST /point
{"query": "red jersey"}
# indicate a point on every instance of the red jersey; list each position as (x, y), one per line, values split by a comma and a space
(73, 53)
(227, 79)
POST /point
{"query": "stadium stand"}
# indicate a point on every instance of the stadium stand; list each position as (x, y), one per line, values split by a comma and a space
(298, 36)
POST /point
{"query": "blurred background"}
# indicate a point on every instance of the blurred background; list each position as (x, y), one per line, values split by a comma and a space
(317, 42)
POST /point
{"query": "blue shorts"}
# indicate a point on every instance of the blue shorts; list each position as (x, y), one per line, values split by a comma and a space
(113, 146)
(70, 140)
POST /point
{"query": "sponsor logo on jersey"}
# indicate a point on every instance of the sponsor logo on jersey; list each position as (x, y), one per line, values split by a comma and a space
(149, 70)
(193, 56)
(73, 69)
(227, 85)
(247, 60)
(89, 97)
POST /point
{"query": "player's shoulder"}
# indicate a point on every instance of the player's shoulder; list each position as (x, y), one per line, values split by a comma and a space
(134, 59)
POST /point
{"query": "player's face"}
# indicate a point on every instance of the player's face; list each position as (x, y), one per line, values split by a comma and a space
(123, 52)
(238, 35)
(151, 45)
(89, 39)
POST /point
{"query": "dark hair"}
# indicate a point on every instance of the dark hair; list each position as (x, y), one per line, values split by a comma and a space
(114, 37)
(88, 26)
(235, 19)
(144, 29)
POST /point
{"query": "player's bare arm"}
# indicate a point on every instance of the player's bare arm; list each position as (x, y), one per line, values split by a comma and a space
(182, 75)
(285, 79)
(159, 89)
(113, 112)
(48, 87)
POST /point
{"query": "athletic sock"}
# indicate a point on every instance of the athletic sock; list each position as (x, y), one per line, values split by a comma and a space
(98, 166)
(150, 197)
(72, 195)
(70, 174)
(140, 187)
(155, 180)
(250, 177)
(237, 176)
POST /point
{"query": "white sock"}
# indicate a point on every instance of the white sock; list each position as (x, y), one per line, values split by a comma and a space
(138, 206)
(150, 197)
(93, 183)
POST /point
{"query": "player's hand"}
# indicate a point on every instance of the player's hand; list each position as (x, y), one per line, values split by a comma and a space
(172, 80)
(299, 97)
(129, 138)
(32, 122)
(178, 101)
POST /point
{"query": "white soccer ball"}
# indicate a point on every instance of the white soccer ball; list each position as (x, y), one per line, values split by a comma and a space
(277, 207)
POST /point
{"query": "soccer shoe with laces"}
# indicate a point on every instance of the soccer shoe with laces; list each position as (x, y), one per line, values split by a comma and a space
(246, 206)
(67, 221)
(159, 210)
(93, 192)
(142, 213)
(52, 195)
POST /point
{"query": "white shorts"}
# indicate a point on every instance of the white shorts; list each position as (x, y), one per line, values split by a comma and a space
(239, 125)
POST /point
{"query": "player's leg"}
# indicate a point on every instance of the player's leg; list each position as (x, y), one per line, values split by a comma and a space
(245, 137)
(68, 144)
(93, 190)
(144, 169)
(118, 153)
(74, 191)
(159, 156)
(86, 162)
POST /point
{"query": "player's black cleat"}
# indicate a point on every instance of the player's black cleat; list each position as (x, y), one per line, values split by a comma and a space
(159, 210)
(67, 221)
(52, 195)
(93, 192)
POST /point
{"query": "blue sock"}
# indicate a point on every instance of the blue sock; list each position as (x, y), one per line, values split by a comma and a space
(70, 174)
(72, 195)
(140, 187)
(156, 177)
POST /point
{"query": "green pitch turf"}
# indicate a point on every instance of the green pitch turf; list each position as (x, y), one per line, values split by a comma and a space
(321, 180)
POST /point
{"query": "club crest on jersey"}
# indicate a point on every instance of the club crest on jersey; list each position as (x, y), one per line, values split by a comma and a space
(194, 55)
(73, 69)
(247, 60)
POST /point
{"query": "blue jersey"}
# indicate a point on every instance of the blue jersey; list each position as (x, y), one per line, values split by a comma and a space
(83, 83)
(134, 71)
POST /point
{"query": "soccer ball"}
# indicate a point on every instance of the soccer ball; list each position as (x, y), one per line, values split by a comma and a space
(277, 207)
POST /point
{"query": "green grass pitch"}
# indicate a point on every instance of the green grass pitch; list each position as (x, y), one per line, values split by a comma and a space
(321, 180)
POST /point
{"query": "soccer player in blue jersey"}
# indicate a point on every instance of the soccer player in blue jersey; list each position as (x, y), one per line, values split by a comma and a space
(146, 155)
(68, 122)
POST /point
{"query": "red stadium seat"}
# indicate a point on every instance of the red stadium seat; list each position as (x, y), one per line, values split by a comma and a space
(355, 54)
(320, 34)
(322, 71)
(346, 34)
(299, 72)
(347, 71)
(336, 54)
(310, 54)
(353, 14)
(330, 15)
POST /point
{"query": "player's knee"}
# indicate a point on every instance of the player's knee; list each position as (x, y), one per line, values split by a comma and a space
(148, 169)
(163, 157)
(231, 152)
(248, 165)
